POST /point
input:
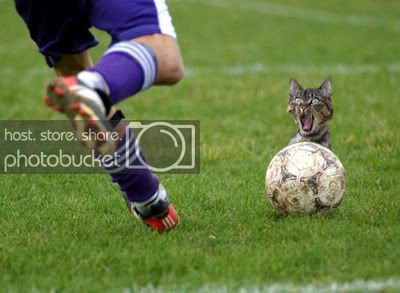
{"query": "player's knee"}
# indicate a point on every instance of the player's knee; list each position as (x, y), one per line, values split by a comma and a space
(169, 60)
(174, 73)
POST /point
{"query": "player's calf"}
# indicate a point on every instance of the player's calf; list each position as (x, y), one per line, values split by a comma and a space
(144, 195)
(170, 67)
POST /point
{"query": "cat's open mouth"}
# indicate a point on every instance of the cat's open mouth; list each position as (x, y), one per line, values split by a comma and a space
(307, 122)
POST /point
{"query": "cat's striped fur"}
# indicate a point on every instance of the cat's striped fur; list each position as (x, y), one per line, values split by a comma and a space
(311, 108)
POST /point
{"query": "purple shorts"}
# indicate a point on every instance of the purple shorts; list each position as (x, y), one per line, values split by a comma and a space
(61, 27)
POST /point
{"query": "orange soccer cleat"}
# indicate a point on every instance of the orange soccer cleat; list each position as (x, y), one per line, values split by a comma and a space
(157, 212)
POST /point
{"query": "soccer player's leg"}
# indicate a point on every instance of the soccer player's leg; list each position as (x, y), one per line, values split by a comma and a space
(127, 68)
(151, 203)
(169, 60)
(72, 65)
(144, 195)
(61, 28)
(144, 52)
(86, 108)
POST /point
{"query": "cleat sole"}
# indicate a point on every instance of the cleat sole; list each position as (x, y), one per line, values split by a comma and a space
(61, 98)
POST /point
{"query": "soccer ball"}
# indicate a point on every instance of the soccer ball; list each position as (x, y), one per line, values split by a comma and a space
(305, 178)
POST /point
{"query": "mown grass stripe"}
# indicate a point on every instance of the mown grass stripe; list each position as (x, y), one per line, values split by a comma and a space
(305, 14)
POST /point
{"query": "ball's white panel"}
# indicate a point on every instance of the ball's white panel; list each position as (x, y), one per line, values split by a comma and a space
(302, 158)
(292, 166)
(331, 190)
(274, 171)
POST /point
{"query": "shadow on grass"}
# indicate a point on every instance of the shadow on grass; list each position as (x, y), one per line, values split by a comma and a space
(278, 217)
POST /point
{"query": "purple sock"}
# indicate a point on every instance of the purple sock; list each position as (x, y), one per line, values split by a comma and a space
(137, 187)
(124, 70)
(137, 184)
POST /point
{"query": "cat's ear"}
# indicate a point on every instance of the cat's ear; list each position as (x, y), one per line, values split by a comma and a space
(326, 88)
(294, 87)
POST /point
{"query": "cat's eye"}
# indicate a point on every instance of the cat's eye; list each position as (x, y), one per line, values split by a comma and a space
(314, 101)
(297, 101)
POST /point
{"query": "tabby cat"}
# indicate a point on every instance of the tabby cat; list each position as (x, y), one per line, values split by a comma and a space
(311, 108)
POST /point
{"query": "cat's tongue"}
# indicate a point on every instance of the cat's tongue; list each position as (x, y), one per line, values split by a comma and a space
(306, 122)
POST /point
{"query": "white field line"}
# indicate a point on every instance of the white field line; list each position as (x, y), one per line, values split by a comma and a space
(353, 286)
(240, 69)
(294, 68)
(25, 75)
(306, 14)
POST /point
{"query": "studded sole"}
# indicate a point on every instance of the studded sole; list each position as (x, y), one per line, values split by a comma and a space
(83, 114)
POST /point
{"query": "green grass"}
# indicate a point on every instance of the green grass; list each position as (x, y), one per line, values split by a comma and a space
(73, 232)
